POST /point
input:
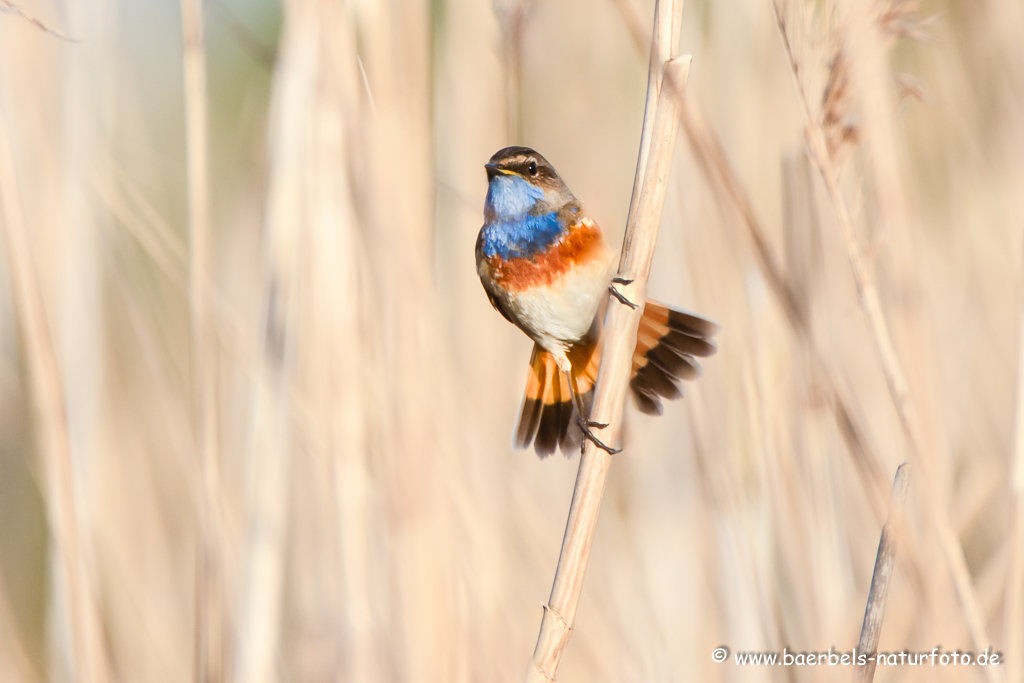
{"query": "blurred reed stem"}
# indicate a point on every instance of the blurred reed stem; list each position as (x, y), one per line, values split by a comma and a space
(11, 8)
(1013, 617)
(210, 605)
(257, 646)
(658, 138)
(39, 354)
(885, 560)
(16, 663)
(513, 16)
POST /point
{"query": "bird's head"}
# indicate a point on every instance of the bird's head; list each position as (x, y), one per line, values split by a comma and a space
(521, 182)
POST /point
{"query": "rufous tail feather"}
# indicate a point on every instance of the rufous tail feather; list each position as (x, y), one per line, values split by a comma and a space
(547, 415)
(669, 342)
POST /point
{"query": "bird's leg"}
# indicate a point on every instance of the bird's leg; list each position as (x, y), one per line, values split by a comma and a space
(582, 420)
(619, 295)
(578, 402)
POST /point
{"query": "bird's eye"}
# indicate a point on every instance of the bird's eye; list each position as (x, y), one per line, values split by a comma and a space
(532, 168)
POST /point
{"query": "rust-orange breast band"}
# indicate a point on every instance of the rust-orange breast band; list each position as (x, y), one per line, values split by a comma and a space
(580, 244)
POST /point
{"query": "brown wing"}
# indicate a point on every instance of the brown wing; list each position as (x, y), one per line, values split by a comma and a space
(498, 306)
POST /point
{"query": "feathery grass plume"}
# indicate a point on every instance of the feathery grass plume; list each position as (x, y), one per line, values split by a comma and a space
(896, 20)
(838, 118)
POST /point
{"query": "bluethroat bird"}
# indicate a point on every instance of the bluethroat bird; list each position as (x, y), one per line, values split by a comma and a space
(546, 267)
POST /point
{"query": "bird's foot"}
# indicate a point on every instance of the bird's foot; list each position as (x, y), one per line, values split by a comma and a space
(585, 426)
(619, 295)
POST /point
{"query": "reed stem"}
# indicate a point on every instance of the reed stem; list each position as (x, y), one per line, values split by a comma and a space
(209, 615)
(885, 560)
(39, 352)
(655, 160)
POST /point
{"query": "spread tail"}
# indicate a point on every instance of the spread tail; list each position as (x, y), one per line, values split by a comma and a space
(669, 342)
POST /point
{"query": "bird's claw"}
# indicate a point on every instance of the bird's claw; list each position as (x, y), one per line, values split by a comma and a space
(585, 425)
(619, 295)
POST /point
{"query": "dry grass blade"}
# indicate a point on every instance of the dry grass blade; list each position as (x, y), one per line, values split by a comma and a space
(11, 8)
(882, 576)
(660, 126)
(14, 662)
(635, 22)
(892, 368)
(1013, 619)
(513, 16)
(256, 639)
(210, 655)
(51, 424)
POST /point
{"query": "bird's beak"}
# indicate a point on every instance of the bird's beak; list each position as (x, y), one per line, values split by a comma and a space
(493, 171)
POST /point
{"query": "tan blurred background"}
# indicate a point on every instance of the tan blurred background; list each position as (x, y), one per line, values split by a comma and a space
(365, 518)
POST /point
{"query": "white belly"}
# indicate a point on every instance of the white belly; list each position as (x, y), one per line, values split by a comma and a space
(557, 315)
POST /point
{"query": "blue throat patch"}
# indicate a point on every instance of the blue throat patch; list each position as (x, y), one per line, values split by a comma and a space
(521, 238)
(513, 231)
